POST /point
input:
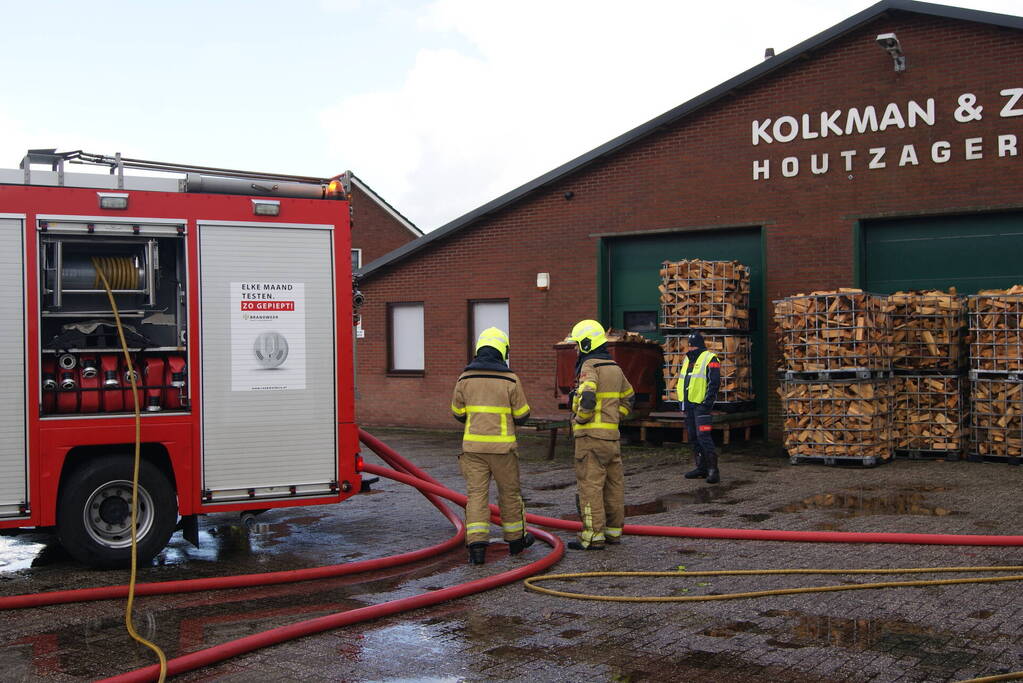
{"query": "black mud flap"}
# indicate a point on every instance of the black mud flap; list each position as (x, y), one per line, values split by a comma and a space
(189, 526)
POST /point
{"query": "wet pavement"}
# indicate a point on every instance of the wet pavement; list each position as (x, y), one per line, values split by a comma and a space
(945, 633)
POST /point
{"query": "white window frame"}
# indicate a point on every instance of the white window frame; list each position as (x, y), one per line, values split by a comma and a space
(406, 338)
(357, 253)
(476, 327)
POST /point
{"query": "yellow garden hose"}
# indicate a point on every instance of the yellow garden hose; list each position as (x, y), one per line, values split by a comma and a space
(533, 580)
(134, 479)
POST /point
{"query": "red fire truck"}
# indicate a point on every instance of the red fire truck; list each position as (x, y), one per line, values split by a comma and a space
(237, 300)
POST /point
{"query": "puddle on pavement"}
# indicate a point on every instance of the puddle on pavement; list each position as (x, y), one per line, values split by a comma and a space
(417, 638)
(729, 630)
(848, 504)
(553, 487)
(222, 541)
(233, 540)
(756, 517)
(673, 501)
(891, 635)
(25, 551)
(81, 650)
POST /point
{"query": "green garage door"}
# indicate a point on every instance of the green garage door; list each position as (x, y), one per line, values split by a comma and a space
(970, 253)
(631, 274)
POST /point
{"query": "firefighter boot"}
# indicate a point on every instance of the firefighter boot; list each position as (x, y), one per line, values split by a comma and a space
(519, 544)
(578, 545)
(700, 471)
(477, 553)
(711, 461)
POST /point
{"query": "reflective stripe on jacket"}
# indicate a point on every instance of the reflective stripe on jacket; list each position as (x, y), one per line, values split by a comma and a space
(697, 381)
(490, 403)
(603, 398)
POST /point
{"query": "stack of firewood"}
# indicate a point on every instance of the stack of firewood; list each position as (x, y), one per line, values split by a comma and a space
(713, 298)
(927, 330)
(996, 424)
(837, 395)
(697, 294)
(734, 352)
(846, 329)
(996, 327)
(996, 371)
(616, 335)
(929, 413)
(928, 340)
(840, 419)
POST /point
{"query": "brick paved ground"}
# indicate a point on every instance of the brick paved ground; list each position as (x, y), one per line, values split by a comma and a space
(908, 634)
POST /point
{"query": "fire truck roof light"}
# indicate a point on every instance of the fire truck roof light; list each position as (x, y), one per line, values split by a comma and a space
(113, 200)
(266, 207)
(335, 188)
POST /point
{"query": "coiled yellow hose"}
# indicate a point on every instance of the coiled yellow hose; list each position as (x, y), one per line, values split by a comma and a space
(115, 272)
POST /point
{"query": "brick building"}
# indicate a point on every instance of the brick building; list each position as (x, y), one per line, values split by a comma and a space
(828, 165)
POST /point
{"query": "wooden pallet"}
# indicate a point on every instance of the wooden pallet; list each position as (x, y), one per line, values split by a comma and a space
(833, 375)
(837, 460)
(1004, 459)
(652, 428)
(949, 456)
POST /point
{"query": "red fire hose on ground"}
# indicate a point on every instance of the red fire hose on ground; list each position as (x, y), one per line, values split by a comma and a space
(406, 472)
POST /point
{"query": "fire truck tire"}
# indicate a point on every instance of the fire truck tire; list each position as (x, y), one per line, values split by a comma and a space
(94, 513)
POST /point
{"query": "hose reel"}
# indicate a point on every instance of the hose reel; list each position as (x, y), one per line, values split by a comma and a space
(72, 268)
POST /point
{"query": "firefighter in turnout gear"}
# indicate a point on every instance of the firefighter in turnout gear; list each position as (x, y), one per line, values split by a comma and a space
(697, 389)
(602, 397)
(489, 399)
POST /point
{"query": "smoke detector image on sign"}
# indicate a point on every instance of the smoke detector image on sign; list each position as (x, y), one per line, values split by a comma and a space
(270, 349)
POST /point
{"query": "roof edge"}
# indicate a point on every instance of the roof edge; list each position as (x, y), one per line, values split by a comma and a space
(386, 206)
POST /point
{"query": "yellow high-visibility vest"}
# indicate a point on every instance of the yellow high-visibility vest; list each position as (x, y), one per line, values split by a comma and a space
(698, 380)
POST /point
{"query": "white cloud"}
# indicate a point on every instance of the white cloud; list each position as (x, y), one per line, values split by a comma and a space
(543, 83)
(341, 5)
(17, 136)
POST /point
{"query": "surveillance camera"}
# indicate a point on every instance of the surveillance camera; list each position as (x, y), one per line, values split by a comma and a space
(891, 45)
(888, 41)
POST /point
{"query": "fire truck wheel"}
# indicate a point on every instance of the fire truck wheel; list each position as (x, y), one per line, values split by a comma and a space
(94, 512)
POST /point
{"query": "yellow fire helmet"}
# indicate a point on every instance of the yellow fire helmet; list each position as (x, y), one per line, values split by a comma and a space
(494, 338)
(588, 334)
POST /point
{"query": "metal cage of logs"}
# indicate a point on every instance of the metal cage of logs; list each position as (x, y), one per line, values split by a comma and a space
(698, 294)
(927, 331)
(838, 420)
(837, 392)
(996, 331)
(847, 330)
(930, 414)
(712, 297)
(734, 352)
(996, 418)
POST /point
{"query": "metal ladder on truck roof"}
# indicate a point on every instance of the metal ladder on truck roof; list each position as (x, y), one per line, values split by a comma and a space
(197, 178)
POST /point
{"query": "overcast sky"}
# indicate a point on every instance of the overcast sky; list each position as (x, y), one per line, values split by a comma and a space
(439, 105)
